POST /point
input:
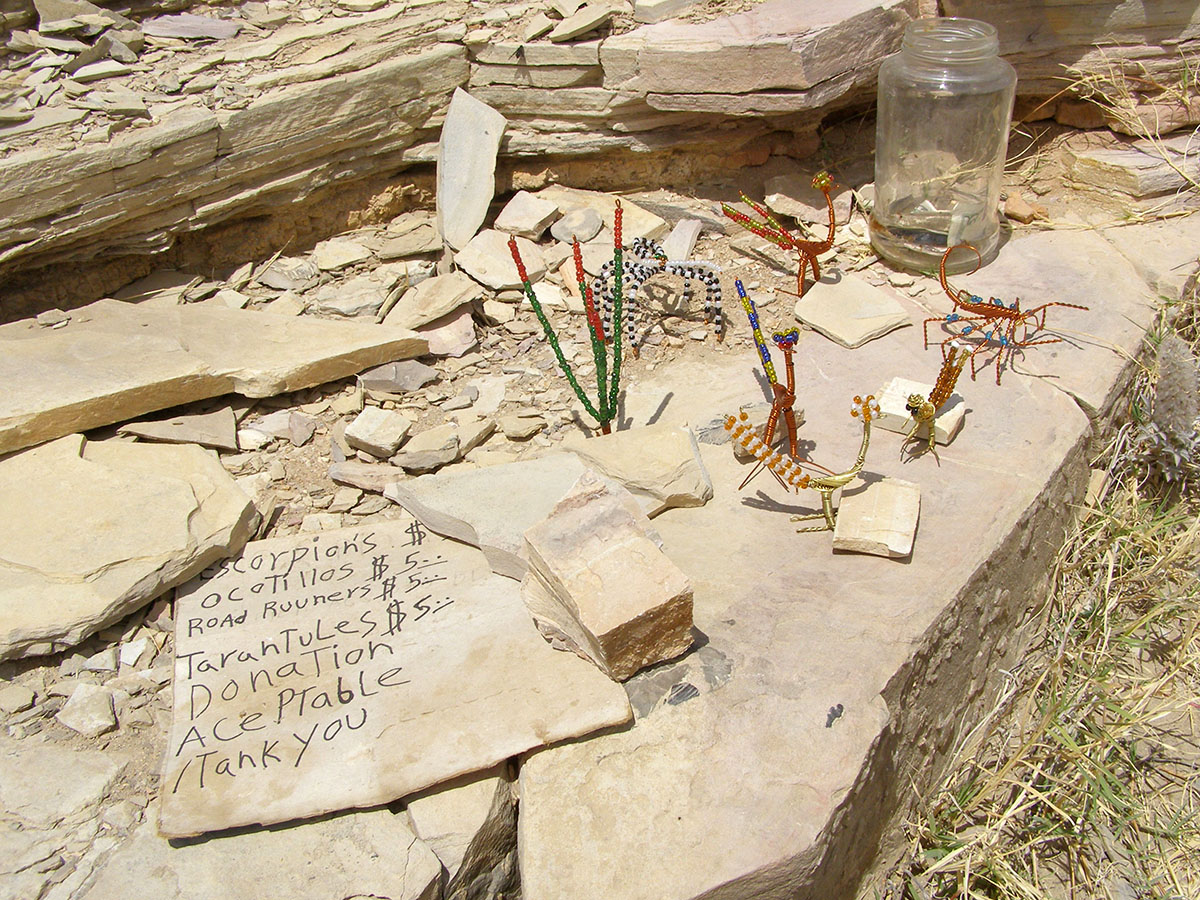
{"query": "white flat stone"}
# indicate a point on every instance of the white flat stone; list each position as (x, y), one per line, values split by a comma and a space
(659, 464)
(488, 259)
(439, 672)
(216, 429)
(682, 239)
(94, 532)
(894, 415)
(477, 507)
(89, 711)
(452, 816)
(47, 783)
(466, 168)
(338, 253)
(429, 450)
(582, 223)
(849, 311)
(587, 18)
(878, 517)
(433, 298)
(650, 11)
(377, 431)
(526, 215)
(365, 854)
(598, 579)
(635, 221)
(114, 361)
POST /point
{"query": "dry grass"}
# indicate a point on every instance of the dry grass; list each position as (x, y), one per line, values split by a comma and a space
(1083, 781)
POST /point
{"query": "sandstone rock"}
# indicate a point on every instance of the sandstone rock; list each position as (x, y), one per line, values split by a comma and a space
(526, 216)
(583, 223)
(338, 253)
(378, 431)
(451, 335)
(651, 11)
(216, 429)
(635, 221)
(97, 531)
(473, 431)
(422, 239)
(476, 506)
(466, 167)
(582, 53)
(398, 377)
(894, 414)
(429, 450)
(191, 26)
(365, 854)
(587, 18)
(451, 817)
(47, 783)
(362, 295)
(849, 311)
(15, 698)
(682, 239)
(287, 274)
(89, 711)
(659, 464)
(521, 427)
(1021, 210)
(301, 428)
(452, 678)
(434, 298)
(367, 476)
(605, 585)
(1143, 169)
(127, 359)
(879, 518)
(487, 259)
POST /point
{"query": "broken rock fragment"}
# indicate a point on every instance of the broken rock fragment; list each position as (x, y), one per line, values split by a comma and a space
(378, 432)
(93, 531)
(466, 166)
(600, 584)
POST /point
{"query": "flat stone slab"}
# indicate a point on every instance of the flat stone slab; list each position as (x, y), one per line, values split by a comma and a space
(894, 414)
(365, 854)
(466, 166)
(357, 666)
(849, 311)
(114, 361)
(659, 464)
(477, 506)
(93, 531)
(216, 429)
(879, 518)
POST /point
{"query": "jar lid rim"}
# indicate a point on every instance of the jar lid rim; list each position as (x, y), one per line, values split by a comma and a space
(951, 38)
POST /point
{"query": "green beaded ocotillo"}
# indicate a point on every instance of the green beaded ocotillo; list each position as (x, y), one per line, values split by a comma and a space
(608, 387)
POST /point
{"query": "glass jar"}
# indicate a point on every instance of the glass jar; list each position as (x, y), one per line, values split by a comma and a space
(945, 102)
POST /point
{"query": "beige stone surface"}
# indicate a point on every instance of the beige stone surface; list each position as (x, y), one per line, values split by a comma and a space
(93, 531)
(448, 818)
(116, 360)
(878, 517)
(476, 506)
(894, 414)
(607, 585)
(850, 311)
(635, 221)
(466, 166)
(372, 662)
(658, 464)
(216, 429)
(432, 299)
(369, 854)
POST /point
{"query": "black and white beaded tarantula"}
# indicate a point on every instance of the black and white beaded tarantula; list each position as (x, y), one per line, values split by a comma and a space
(644, 260)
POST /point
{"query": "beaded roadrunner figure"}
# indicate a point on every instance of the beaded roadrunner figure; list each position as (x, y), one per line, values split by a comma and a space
(923, 410)
(770, 229)
(646, 260)
(788, 470)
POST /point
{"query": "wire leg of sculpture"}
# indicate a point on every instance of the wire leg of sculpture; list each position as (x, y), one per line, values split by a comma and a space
(826, 512)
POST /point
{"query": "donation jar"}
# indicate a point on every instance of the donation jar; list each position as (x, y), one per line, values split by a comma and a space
(945, 102)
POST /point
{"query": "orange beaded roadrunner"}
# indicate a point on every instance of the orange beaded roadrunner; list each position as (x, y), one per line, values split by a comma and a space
(788, 470)
(770, 229)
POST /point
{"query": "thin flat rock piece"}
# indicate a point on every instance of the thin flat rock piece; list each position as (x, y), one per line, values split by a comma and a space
(216, 429)
(348, 668)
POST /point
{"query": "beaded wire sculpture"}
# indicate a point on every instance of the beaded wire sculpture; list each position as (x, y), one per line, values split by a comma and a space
(646, 260)
(608, 378)
(788, 471)
(1009, 326)
(924, 410)
(784, 396)
(770, 229)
